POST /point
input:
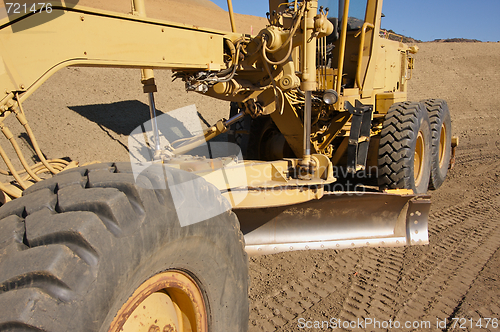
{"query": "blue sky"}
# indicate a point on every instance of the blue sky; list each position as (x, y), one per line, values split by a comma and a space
(421, 19)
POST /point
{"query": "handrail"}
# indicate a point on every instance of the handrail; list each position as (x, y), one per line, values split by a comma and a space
(231, 15)
(362, 31)
(343, 37)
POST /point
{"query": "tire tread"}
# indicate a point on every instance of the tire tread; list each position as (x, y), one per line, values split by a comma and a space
(398, 131)
(55, 240)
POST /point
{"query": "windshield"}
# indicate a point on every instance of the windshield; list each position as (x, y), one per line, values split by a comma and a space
(357, 8)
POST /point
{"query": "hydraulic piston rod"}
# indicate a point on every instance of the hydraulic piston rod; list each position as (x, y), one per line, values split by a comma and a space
(148, 79)
(307, 128)
(308, 80)
(154, 122)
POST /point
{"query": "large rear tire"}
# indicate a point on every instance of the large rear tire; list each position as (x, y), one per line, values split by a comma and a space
(440, 121)
(405, 148)
(92, 249)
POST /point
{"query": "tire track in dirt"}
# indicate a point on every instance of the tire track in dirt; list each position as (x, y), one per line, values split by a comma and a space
(465, 238)
(477, 153)
(280, 308)
(480, 309)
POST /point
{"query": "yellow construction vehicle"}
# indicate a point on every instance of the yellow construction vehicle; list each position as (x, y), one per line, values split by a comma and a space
(318, 100)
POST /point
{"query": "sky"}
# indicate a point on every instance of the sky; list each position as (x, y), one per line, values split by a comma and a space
(425, 20)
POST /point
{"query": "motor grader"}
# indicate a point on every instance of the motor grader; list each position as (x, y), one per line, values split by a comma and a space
(318, 98)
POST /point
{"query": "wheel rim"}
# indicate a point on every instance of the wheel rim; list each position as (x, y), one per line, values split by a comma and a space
(442, 145)
(419, 158)
(167, 302)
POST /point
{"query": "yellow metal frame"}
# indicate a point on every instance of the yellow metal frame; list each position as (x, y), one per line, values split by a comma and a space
(90, 37)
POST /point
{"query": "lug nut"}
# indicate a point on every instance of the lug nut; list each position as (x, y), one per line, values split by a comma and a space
(154, 328)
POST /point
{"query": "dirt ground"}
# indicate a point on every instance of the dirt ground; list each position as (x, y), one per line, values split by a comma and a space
(87, 114)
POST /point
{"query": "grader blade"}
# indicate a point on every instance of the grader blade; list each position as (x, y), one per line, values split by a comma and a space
(337, 221)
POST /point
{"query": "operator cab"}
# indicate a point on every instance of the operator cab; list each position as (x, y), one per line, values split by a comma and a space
(356, 16)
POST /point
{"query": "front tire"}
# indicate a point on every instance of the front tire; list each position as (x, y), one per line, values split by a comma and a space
(405, 148)
(77, 249)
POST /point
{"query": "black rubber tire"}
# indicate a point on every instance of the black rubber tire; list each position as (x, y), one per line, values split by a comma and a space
(261, 130)
(240, 130)
(398, 141)
(439, 115)
(75, 247)
(253, 135)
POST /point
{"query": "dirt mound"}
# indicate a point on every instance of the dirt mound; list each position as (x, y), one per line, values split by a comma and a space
(201, 3)
(457, 40)
(202, 13)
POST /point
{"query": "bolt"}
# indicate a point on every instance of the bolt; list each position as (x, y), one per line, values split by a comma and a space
(169, 328)
(21, 86)
(154, 328)
(82, 18)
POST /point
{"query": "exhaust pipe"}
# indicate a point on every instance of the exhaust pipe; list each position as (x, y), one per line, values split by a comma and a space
(337, 221)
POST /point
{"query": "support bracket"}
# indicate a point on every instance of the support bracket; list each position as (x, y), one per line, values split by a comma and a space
(359, 137)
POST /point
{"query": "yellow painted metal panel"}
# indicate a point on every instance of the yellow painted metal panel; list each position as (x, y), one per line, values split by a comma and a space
(40, 45)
